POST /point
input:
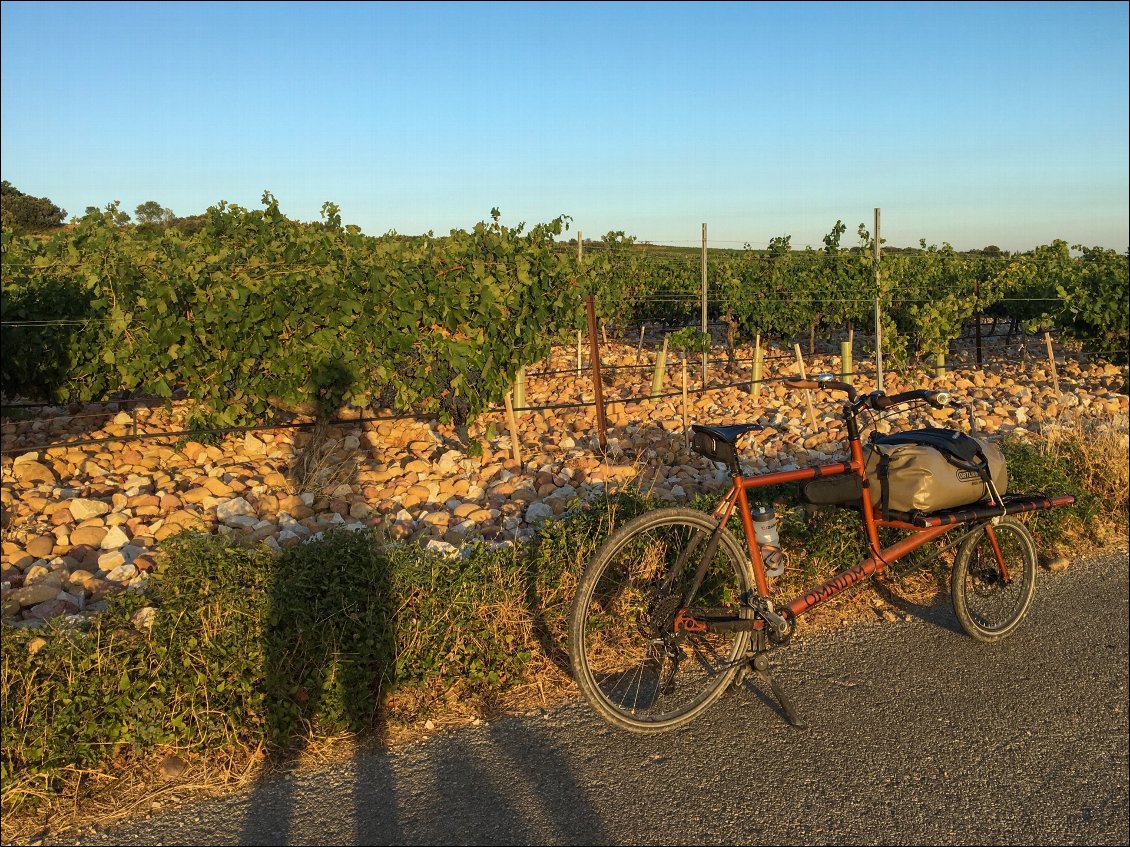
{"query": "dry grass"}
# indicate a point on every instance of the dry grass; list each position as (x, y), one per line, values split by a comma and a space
(1100, 448)
(318, 466)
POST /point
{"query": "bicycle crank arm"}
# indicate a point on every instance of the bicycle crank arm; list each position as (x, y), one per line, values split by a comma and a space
(778, 624)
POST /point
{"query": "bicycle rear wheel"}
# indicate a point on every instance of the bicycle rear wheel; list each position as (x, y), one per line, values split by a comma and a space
(988, 605)
(629, 663)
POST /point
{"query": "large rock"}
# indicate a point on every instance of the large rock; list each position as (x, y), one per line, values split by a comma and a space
(89, 535)
(41, 546)
(117, 537)
(538, 512)
(33, 595)
(233, 508)
(32, 472)
(83, 508)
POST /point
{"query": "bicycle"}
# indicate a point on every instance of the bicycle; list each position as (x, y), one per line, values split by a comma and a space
(672, 610)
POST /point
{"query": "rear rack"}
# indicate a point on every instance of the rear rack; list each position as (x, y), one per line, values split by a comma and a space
(1013, 504)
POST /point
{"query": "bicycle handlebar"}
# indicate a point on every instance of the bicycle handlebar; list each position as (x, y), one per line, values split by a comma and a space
(937, 399)
(876, 399)
(832, 384)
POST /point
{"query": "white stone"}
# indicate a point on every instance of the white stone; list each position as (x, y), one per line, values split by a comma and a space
(565, 492)
(115, 538)
(234, 508)
(83, 508)
(242, 522)
(434, 545)
(143, 618)
(538, 512)
(122, 573)
(112, 559)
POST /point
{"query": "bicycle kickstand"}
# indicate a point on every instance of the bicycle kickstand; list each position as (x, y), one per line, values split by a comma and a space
(760, 664)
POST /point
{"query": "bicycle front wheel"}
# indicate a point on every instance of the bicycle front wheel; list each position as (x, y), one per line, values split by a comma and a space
(627, 659)
(990, 602)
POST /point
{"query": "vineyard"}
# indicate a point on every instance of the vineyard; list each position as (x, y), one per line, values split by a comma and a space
(256, 313)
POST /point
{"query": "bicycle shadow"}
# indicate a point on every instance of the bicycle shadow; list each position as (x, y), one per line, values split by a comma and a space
(937, 611)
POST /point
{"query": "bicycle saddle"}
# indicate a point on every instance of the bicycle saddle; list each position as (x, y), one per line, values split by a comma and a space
(726, 434)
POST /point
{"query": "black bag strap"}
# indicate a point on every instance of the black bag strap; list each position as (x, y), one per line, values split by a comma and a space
(884, 485)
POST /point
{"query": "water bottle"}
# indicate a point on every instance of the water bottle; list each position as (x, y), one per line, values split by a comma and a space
(765, 531)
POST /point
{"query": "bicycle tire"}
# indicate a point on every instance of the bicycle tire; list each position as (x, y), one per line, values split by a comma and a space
(629, 665)
(988, 608)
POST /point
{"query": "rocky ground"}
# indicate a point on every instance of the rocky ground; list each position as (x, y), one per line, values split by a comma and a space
(84, 521)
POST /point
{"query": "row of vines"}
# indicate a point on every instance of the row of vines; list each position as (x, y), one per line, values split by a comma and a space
(927, 296)
(256, 312)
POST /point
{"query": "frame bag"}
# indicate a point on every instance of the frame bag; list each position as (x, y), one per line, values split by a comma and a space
(927, 470)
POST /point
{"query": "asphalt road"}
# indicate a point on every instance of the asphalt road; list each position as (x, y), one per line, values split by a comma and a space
(917, 735)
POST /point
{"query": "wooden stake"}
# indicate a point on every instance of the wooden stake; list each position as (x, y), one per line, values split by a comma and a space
(755, 382)
(878, 320)
(686, 424)
(847, 374)
(705, 363)
(515, 446)
(807, 392)
(597, 386)
(1051, 362)
(520, 389)
(639, 349)
(578, 352)
(660, 370)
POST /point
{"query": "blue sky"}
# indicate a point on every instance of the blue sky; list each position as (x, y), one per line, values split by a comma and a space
(973, 124)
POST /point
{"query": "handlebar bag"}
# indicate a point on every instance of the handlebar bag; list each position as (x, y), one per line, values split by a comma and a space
(927, 470)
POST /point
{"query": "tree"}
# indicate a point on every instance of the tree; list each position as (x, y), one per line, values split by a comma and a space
(118, 217)
(152, 213)
(23, 213)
